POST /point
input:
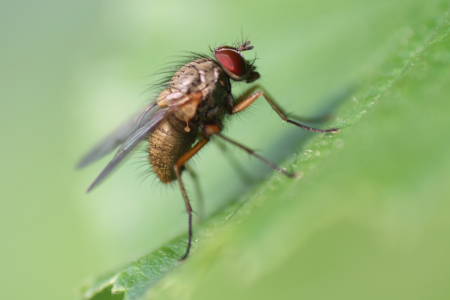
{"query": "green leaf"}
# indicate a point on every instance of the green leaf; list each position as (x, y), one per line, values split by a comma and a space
(135, 279)
(368, 220)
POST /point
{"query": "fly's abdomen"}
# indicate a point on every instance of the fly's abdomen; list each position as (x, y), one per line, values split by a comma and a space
(167, 142)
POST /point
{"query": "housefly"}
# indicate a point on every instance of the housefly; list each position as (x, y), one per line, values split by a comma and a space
(190, 108)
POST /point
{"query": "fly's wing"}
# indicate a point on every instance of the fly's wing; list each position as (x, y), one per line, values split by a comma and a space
(115, 139)
(146, 125)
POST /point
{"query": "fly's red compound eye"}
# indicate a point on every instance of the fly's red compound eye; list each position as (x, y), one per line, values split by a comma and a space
(234, 64)
(232, 60)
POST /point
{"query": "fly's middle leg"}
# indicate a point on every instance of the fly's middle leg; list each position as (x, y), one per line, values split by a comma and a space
(235, 164)
(252, 153)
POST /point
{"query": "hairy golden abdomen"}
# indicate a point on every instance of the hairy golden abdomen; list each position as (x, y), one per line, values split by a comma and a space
(167, 142)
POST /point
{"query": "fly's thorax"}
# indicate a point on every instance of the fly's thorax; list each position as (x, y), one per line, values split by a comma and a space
(168, 142)
(214, 108)
(197, 75)
(201, 92)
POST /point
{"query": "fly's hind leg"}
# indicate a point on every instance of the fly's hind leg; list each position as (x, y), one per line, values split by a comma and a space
(209, 130)
(198, 191)
(249, 99)
(180, 162)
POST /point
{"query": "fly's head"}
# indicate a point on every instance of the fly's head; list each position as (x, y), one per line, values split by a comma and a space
(234, 64)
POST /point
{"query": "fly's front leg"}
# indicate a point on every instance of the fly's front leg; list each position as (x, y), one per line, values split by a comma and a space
(250, 99)
(208, 130)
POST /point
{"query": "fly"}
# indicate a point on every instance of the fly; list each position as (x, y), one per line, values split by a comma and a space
(189, 110)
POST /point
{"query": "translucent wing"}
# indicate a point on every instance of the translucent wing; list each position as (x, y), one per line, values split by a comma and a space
(144, 127)
(115, 139)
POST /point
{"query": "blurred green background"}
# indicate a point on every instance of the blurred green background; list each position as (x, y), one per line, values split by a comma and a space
(71, 71)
